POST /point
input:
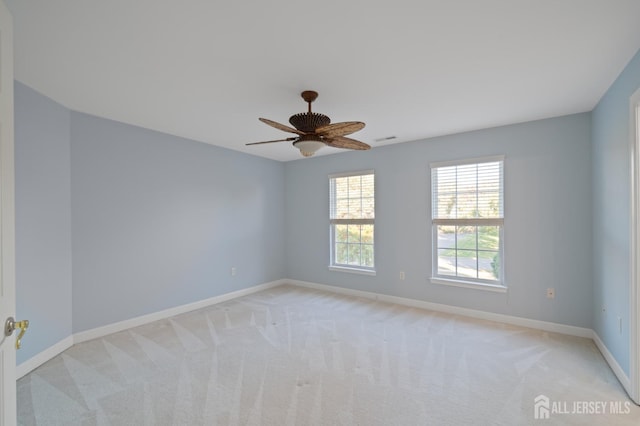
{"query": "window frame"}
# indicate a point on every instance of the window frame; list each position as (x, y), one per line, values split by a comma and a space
(460, 281)
(333, 265)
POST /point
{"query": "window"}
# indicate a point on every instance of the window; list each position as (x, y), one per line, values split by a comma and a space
(467, 200)
(351, 218)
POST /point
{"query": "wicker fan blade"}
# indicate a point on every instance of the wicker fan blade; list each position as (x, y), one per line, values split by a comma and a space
(340, 129)
(277, 140)
(281, 126)
(346, 143)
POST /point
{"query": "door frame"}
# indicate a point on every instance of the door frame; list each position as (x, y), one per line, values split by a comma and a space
(7, 222)
(634, 287)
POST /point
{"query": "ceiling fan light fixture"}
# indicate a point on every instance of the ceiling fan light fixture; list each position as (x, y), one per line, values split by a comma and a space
(309, 145)
(315, 130)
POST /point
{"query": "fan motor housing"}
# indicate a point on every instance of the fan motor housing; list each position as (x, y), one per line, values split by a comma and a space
(308, 122)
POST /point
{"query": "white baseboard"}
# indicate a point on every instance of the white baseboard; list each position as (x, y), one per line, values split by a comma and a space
(95, 333)
(489, 316)
(44, 356)
(98, 332)
(617, 370)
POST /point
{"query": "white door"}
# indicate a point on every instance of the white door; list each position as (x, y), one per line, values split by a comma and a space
(7, 222)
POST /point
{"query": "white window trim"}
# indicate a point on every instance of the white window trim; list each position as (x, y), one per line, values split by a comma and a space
(476, 284)
(467, 284)
(477, 160)
(361, 270)
(356, 173)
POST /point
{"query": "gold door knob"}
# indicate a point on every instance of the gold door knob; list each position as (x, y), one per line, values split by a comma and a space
(10, 325)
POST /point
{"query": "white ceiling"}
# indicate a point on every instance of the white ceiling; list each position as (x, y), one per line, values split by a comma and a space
(413, 69)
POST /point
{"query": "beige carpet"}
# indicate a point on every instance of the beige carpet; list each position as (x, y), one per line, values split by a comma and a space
(291, 356)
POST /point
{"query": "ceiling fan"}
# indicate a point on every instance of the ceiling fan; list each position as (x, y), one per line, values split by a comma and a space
(315, 130)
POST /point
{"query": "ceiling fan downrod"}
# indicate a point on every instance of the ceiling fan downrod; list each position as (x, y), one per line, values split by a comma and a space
(309, 96)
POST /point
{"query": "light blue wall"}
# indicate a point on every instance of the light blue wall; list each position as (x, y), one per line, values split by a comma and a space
(611, 212)
(114, 221)
(547, 225)
(43, 220)
(159, 221)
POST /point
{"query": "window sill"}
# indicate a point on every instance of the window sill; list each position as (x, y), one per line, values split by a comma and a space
(498, 288)
(352, 270)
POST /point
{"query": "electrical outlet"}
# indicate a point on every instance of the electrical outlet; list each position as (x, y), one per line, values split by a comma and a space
(402, 275)
(551, 293)
(233, 271)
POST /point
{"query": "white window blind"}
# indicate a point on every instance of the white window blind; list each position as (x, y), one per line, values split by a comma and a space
(468, 191)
